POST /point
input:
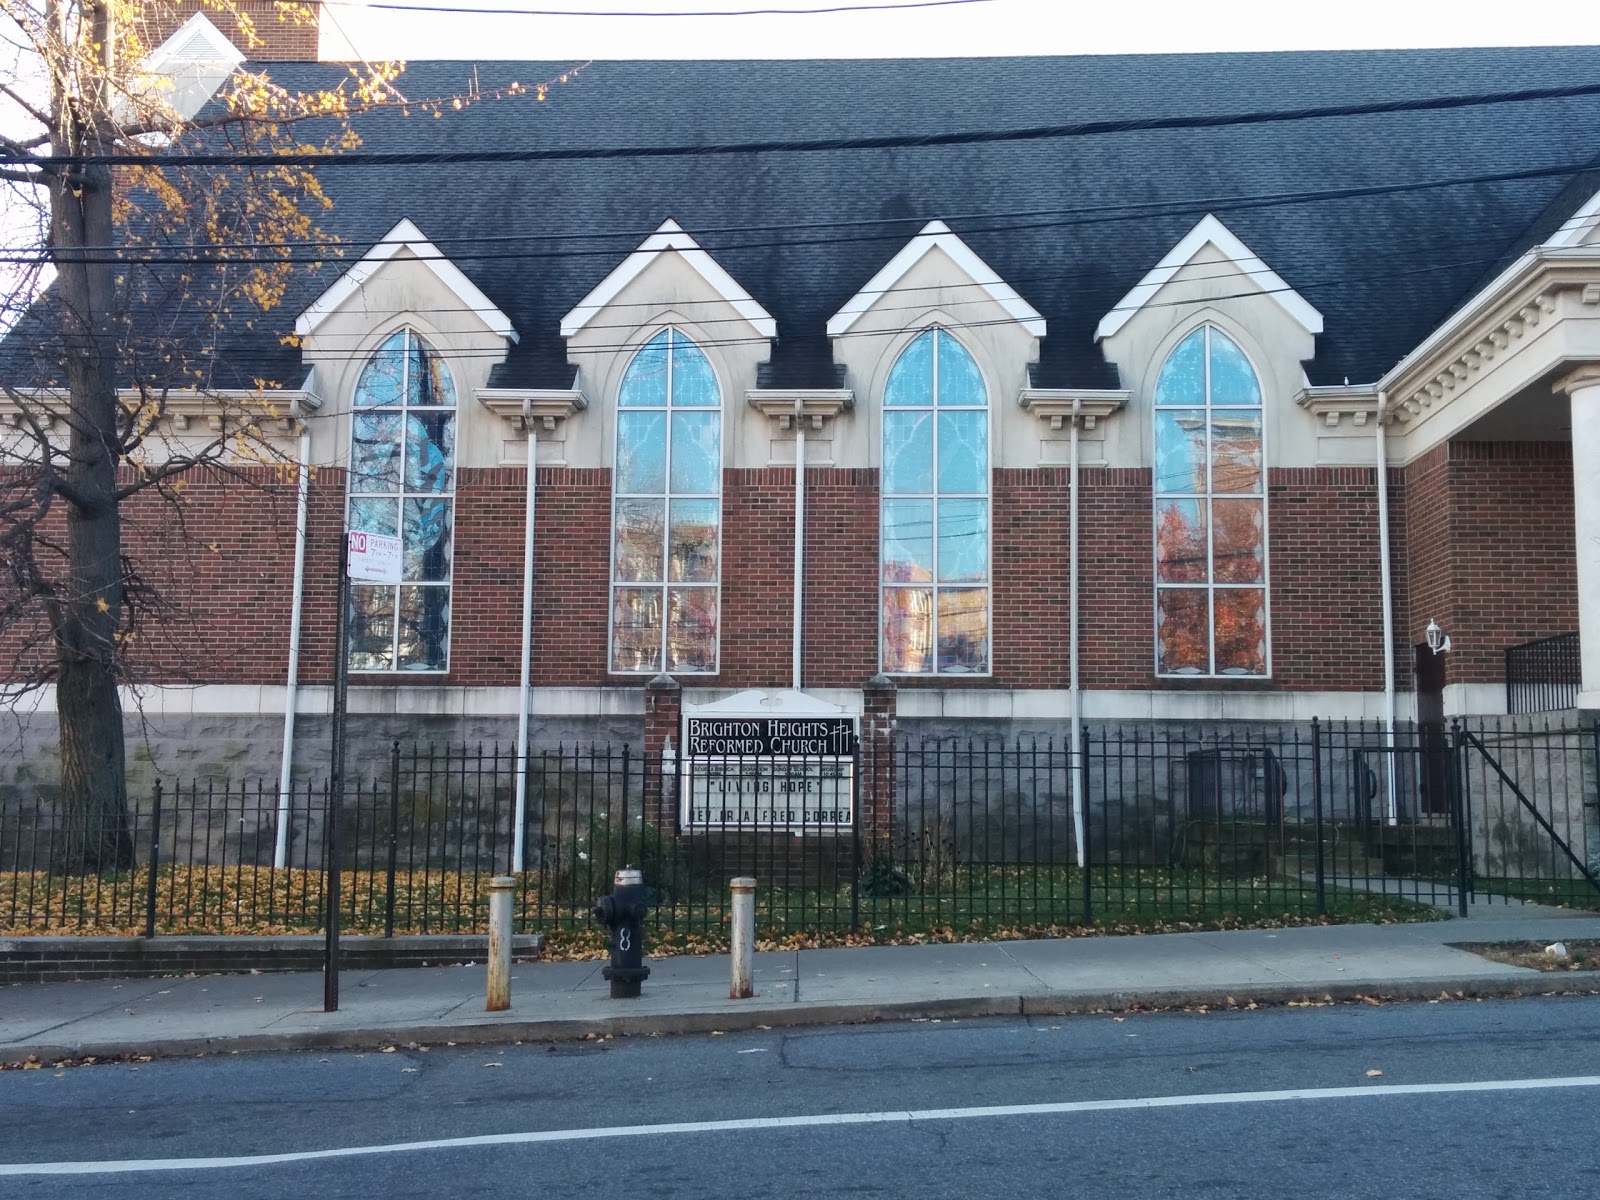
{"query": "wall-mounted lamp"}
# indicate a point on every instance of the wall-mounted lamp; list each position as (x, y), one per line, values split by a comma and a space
(1438, 639)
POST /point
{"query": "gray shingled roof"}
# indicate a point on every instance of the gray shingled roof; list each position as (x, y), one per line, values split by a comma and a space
(1383, 269)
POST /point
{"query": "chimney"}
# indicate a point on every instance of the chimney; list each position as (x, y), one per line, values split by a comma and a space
(279, 37)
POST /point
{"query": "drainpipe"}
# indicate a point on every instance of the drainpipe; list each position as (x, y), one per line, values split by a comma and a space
(1074, 695)
(1390, 807)
(517, 835)
(799, 531)
(280, 853)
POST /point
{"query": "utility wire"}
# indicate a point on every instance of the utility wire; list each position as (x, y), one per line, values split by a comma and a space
(712, 12)
(157, 256)
(497, 354)
(1221, 271)
(894, 226)
(809, 146)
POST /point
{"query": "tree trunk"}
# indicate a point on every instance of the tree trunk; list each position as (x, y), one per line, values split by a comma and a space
(94, 793)
(88, 610)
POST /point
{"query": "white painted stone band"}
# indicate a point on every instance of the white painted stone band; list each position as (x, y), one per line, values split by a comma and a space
(128, 1166)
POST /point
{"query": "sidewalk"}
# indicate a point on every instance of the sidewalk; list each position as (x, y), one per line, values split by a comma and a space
(222, 1013)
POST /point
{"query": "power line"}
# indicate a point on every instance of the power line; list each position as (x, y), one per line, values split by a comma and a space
(728, 342)
(1086, 215)
(713, 12)
(812, 145)
(1221, 271)
(1094, 215)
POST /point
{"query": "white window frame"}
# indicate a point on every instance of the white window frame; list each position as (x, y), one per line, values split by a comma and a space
(987, 408)
(667, 496)
(1210, 587)
(402, 495)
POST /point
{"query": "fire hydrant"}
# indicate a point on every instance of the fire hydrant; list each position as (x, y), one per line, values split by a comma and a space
(622, 912)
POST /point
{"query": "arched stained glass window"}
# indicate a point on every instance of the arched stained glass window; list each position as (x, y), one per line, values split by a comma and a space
(402, 483)
(934, 520)
(1210, 511)
(666, 516)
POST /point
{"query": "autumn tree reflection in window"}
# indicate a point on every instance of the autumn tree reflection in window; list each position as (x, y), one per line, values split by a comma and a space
(667, 511)
(935, 514)
(1210, 514)
(402, 483)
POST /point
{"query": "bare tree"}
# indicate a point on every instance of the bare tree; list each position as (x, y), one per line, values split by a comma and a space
(150, 260)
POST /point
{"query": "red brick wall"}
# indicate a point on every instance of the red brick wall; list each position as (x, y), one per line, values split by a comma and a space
(280, 37)
(1116, 607)
(222, 560)
(1492, 545)
(1326, 587)
(841, 593)
(210, 567)
(1482, 538)
(1029, 630)
(758, 577)
(1428, 567)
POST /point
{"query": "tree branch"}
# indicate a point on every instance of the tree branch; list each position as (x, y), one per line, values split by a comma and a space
(37, 114)
(155, 476)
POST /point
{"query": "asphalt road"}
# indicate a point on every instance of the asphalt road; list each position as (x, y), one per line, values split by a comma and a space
(1145, 1105)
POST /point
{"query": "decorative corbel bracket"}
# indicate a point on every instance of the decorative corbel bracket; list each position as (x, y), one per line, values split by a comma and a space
(814, 406)
(1331, 405)
(538, 409)
(1061, 407)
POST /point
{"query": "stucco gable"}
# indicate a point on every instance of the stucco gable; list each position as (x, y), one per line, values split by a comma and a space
(1212, 233)
(404, 237)
(669, 238)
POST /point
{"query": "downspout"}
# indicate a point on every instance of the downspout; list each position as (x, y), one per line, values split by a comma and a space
(1384, 570)
(799, 533)
(280, 853)
(524, 694)
(1074, 695)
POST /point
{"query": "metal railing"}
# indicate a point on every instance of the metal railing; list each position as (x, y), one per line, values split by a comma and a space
(940, 837)
(1543, 676)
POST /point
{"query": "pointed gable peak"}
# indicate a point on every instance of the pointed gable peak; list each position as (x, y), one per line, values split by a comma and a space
(405, 236)
(669, 237)
(196, 42)
(1210, 232)
(936, 235)
(1579, 228)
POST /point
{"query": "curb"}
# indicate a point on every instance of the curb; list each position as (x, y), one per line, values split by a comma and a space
(819, 1014)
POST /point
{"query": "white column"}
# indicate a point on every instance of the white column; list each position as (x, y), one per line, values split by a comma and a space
(280, 853)
(1583, 387)
(799, 538)
(520, 815)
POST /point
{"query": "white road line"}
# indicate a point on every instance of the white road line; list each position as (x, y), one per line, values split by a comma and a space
(1368, 1092)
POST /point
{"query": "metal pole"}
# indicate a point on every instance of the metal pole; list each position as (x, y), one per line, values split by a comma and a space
(501, 888)
(799, 533)
(1391, 807)
(394, 839)
(741, 985)
(155, 863)
(1074, 689)
(330, 969)
(1458, 812)
(1316, 803)
(280, 853)
(1083, 862)
(517, 833)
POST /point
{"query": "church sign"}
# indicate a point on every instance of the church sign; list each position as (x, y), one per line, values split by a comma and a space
(782, 762)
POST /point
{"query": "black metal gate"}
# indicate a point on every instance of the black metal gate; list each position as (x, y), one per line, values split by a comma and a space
(1531, 806)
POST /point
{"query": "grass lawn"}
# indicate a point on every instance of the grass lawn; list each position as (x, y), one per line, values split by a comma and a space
(1561, 893)
(963, 904)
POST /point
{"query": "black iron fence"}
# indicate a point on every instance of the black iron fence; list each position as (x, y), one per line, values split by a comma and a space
(938, 837)
(1543, 676)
